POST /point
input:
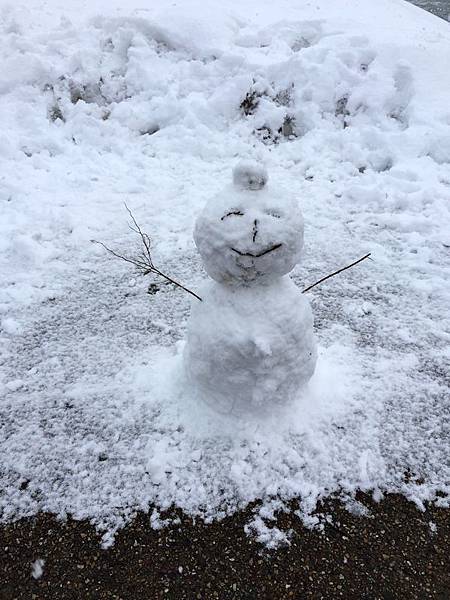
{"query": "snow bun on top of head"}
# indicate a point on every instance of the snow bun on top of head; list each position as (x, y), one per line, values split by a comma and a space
(248, 232)
(250, 175)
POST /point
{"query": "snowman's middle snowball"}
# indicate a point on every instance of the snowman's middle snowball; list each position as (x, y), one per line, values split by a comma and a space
(250, 348)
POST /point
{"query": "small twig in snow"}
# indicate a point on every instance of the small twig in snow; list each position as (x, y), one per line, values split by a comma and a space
(336, 272)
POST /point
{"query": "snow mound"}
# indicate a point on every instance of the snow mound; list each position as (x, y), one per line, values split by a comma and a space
(153, 111)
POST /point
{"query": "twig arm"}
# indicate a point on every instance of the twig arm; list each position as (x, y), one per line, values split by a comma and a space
(146, 267)
(132, 261)
(335, 273)
(157, 272)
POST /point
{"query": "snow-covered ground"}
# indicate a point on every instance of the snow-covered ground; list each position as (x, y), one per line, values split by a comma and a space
(348, 105)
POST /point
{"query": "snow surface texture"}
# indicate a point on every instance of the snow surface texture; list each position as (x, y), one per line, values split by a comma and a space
(344, 106)
(250, 343)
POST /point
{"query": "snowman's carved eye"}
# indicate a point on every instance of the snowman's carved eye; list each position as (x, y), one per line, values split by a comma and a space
(273, 213)
(238, 213)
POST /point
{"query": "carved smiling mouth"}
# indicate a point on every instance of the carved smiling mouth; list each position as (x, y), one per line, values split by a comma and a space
(271, 249)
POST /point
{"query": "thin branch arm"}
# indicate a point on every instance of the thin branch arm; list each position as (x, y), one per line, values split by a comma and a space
(336, 273)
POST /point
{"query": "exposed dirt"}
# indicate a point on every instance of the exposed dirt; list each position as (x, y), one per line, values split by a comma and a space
(392, 554)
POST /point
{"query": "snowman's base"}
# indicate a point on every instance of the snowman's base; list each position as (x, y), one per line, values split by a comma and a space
(184, 407)
(250, 348)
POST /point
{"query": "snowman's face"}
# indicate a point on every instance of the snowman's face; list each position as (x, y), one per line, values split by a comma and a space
(246, 235)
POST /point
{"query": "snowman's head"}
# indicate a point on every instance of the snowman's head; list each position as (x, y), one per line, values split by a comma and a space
(247, 232)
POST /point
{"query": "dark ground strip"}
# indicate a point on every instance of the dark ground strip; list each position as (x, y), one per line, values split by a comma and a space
(392, 554)
(440, 8)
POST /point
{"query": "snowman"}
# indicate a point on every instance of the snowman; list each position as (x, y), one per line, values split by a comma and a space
(250, 342)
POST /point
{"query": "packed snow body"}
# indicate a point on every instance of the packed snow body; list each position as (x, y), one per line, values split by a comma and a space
(250, 349)
(250, 342)
(151, 109)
